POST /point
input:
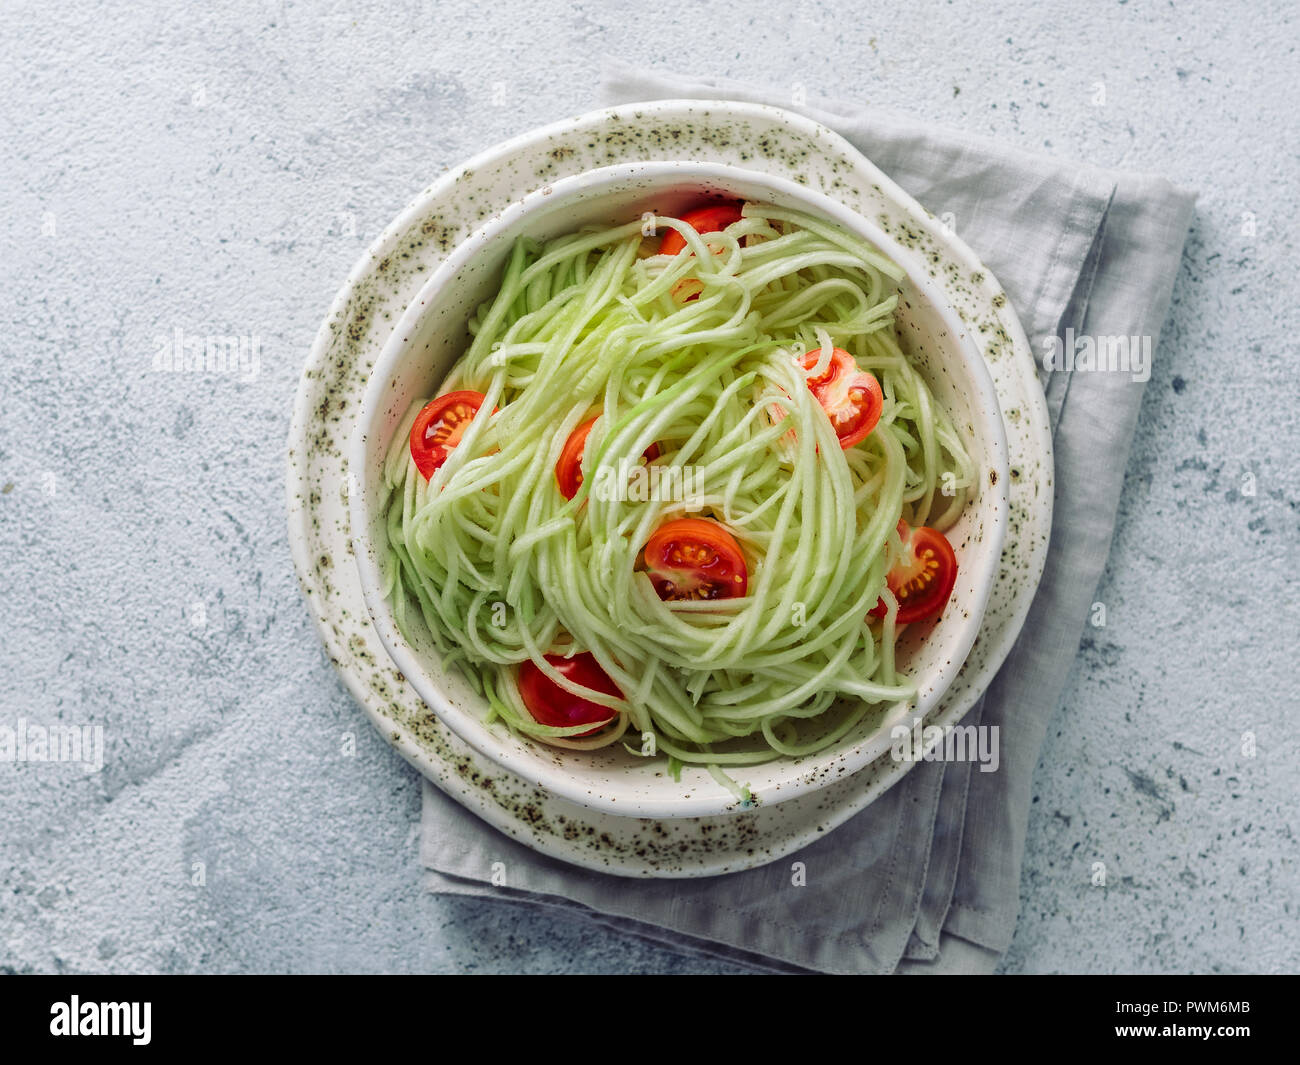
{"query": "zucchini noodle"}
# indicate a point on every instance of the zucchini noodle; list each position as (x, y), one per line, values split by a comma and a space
(502, 568)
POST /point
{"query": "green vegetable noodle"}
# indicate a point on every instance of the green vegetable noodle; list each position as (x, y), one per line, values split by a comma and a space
(700, 369)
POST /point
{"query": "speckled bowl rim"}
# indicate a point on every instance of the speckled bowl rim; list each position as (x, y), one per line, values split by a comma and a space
(773, 139)
(785, 779)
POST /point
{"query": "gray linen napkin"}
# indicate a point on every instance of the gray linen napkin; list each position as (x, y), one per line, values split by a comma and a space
(927, 878)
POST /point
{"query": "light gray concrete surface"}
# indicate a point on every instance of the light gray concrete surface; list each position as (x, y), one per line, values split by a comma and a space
(172, 167)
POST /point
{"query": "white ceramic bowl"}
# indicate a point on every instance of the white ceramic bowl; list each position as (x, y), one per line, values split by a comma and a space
(432, 335)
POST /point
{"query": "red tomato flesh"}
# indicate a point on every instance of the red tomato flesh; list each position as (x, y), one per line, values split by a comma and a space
(687, 290)
(711, 219)
(852, 398)
(439, 427)
(552, 705)
(923, 579)
(568, 470)
(690, 558)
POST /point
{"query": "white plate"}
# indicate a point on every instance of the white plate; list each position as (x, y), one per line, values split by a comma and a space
(387, 279)
(431, 335)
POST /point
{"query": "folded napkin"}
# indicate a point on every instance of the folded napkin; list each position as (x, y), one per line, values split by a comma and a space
(927, 878)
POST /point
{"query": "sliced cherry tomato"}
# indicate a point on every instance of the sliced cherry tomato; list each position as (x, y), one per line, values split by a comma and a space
(851, 397)
(712, 219)
(687, 290)
(690, 558)
(923, 578)
(552, 705)
(568, 471)
(439, 427)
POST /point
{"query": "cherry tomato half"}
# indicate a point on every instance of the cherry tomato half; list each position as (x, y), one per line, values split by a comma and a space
(439, 427)
(690, 558)
(552, 705)
(852, 398)
(923, 578)
(687, 290)
(712, 219)
(568, 470)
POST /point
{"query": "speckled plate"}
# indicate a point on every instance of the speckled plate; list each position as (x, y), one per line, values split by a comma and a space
(385, 281)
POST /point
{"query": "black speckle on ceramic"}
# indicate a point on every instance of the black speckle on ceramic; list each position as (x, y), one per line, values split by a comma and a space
(385, 282)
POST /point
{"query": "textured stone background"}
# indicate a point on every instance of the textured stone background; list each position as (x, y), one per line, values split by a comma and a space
(166, 166)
